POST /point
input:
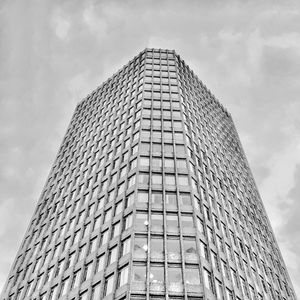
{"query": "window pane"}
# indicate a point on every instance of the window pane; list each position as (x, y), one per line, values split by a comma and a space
(172, 223)
(157, 247)
(208, 280)
(143, 197)
(157, 278)
(144, 161)
(190, 250)
(96, 291)
(156, 179)
(169, 163)
(138, 277)
(183, 180)
(156, 198)
(109, 284)
(170, 179)
(173, 248)
(100, 263)
(144, 178)
(187, 221)
(180, 150)
(192, 279)
(128, 221)
(181, 163)
(168, 148)
(156, 162)
(126, 246)
(171, 199)
(156, 222)
(175, 280)
(185, 199)
(113, 255)
(123, 276)
(156, 148)
(140, 247)
(141, 221)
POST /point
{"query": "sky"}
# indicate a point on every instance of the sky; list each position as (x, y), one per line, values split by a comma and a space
(53, 53)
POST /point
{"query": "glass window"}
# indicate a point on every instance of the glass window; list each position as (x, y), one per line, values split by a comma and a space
(131, 181)
(144, 161)
(169, 163)
(75, 280)
(129, 200)
(87, 271)
(122, 173)
(157, 123)
(175, 279)
(119, 207)
(123, 276)
(156, 222)
(219, 290)
(156, 247)
(100, 263)
(143, 197)
(96, 291)
(139, 273)
(181, 163)
(200, 225)
(208, 280)
(126, 245)
(185, 199)
(156, 162)
(168, 135)
(104, 239)
(167, 123)
(146, 122)
(177, 124)
(107, 215)
(156, 135)
(64, 287)
(156, 178)
(156, 198)
(113, 255)
(183, 180)
(109, 284)
(171, 199)
(145, 147)
(128, 221)
(168, 149)
(180, 150)
(189, 249)
(172, 222)
(157, 278)
(192, 279)
(116, 229)
(187, 221)
(144, 178)
(156, 148)
(140, 247)
(141, 221)
(170, 179)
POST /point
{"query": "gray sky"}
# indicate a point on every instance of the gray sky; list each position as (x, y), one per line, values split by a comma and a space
(53, 53)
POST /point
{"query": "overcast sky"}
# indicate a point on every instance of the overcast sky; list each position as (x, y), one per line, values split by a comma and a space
(53, 53)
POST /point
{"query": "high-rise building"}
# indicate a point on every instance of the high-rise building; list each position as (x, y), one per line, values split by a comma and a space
(150, 197)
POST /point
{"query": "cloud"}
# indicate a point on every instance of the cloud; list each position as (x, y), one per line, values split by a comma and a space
(61, 25)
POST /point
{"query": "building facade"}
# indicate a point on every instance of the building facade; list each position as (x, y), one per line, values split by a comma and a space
(150, 197)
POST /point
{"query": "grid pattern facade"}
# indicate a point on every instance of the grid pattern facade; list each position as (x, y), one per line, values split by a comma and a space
(150, 197)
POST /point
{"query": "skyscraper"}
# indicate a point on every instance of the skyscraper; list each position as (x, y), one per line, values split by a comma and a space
(150, 197)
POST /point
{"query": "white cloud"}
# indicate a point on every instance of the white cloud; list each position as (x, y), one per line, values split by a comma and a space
(60, 24)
